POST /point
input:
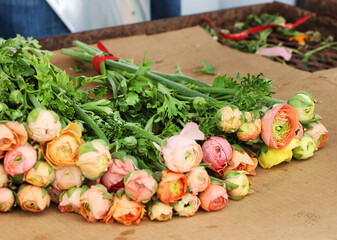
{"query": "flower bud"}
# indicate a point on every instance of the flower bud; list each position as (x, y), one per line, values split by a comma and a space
(198, 180)
(304, 103)
(250, 129)
(140, 186)
(229, 119)
(15, 98)
(214, 198)
(41, 175)
(319, 133)
(218, 152)
(306, 148)
(93, 158)
(32, 198)
(20, 160)
(12, 135)
(172, 186)
(7, 199)
(125, 211)
(160, 211)
(199, 104)
(67, 177)
(43, 125)
(70, 200)
(3, 176)
(95, 203)
(240, 179)
(187, 206)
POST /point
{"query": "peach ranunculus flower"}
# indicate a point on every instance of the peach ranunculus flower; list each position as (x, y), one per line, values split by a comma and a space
(218, 152)
(20, 160)
(70, 200)
(3, 176)
(33, 198)
(94, 158)
(116, 172)
(172, 186)
(242, 161)
(187, 206)
(214, 198)
(43, 125)
(68, 177)
(160, 211)
(12, 135)
(7, 199)
(229, 118)
(319, 133)
(198, 180)
(250, 129)
(125, 211)
(63, 150)
(95, 203)
(140, 185)
(41, 175)
(181, 152)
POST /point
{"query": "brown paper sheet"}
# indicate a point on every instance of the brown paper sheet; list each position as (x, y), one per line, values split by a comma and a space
(294, 200)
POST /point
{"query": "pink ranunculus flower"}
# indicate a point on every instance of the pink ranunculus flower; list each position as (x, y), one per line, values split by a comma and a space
(319, 133)
(198, 180)
(93, 158)
(12, 135)
(95, 203)
(70, 200)
(7, 199)
(3, 176)
(187, 206)
(140, 185)
(214, 198)
(116, 172)
(218, 152)
(181, 152)
(67, 177)
(20, 160)
(43, 125)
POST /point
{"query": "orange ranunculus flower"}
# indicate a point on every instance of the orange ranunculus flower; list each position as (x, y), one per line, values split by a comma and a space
(125, 211)
(63, 150)
(12, 135)
(242, 161)
(172, 186)
(33, 198)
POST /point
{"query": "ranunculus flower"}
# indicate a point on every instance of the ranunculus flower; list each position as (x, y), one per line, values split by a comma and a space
(116, 172)
(20, 160)
(12, 135)
(3, 176)
(181, 152)
(242, 161)
(299, 131)
(7, 199)
(270, 157)
(62, 151)
(187, 206)
(172, 186)
(304, 103)
(43, 125)
(41, 175)
(218, 152)
(33, 198)
(160, 211)
(198, 180)
(140, 185)
(68, 177)
(250, 129)
(306, 148)
(95, 203)
(279, 125)
(125, 211)
(214, 198)
(70, 200)
(54, 194)
(240, 179)
(229, 118)
(319, 133)
(93, 158)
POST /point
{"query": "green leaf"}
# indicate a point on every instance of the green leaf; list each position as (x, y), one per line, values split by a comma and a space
(207, 68)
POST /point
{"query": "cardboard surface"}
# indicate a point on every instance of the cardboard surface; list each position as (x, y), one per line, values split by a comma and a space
(294, 200)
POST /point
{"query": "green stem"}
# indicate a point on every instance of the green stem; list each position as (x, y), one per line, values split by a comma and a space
(34, 101)
(308, 54)
(144, 133)
(182, 78)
